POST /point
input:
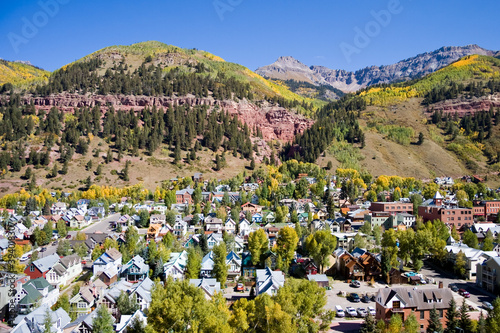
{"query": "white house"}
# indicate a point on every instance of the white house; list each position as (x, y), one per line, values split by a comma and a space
(180, 228)
(176, 266)
(112, 257)
(230, 226)
(268, 281)
(244, 228)
(34, 322)
(67, 269)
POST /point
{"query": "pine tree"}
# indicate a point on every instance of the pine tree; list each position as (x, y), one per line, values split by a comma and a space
(451, 317)
(220, 267)
(434, 322)
(464, 321)
(369, 325)
(103, 322)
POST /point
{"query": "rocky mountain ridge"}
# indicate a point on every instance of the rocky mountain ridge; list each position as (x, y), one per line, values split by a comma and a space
(275, 123)
(288, 68)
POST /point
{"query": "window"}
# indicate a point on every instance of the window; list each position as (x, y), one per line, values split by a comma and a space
(32, 268)
(396, 305)
(422, 315)
(441, 313)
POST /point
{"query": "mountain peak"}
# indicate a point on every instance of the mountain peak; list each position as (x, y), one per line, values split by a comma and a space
(417, 66)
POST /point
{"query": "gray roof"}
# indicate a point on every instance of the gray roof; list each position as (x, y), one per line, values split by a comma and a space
(420, 299)
(38, 317)
(317, 277)
(69, 261)
(209, 286)
(46, 263)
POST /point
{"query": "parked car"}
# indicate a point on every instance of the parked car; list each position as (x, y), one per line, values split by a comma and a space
(68, 237)
(240, 287)
(351, 311)
(54, 243)
(25, 257)
(43, 249)
(372, 298)
(453, 288)
(354, 297)
(355, 284)
(362, 312)
(487, 305)
(371, 310)
(365, 299)
(464, 293)
(340, 312)
(84, 262)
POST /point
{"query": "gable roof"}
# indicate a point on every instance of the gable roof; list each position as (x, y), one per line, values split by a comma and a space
(420, 299)
(46, 263)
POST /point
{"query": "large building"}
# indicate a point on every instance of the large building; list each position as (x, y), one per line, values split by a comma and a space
(404, 301)
(434, 209)
(392, 207)
(487, 274)
(486, 208)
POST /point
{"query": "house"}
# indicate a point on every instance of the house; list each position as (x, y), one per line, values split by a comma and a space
(110, 296)
(154, 231)
(350, 267)
(180, 229)
(109, 276)
(487, 274)
(83, 324)
(214, 239)
(213, 224)
(252, 208)
(157, 219)
(142, 291)
(408, 220)
(106, 261)
(239, 245)
(124, 222)
(65, 271)
(257, 218)
(35, 321)
(58, 208)
(207, 265)
(270, 217)
(83, 302)
(320, 279)
(473, 257)
(198, 177)
(244, 227)
(128, 320)
(268, 281)
(209, 286)
(176, 266)
(371, 265)
(40, 267)
(184, 196)
(230, 226)
(434, 209)
(404, 301)
(233, 262)
(135, 270)
(247, 267)
(34, 293)
(396, 277)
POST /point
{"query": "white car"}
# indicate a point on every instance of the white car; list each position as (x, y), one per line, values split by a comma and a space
(351, 311)
(340, 312)
(371, 310)
(362, 313)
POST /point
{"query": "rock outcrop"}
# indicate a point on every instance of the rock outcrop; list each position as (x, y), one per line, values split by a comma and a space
(463, 106)
(274, 122)
(289, 68)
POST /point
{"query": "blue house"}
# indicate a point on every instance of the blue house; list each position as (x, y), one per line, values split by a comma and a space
(257, 218)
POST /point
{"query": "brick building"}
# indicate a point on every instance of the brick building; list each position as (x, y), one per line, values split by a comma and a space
(404, 301)
(434, 209)
(392, 207)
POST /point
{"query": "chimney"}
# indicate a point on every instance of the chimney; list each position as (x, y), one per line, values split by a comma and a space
(440, 285)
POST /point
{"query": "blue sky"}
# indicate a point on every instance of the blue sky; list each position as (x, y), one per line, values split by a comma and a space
(52, 33)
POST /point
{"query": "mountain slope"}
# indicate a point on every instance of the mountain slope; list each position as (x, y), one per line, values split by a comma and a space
(18, 73)
(171, 58)
(418, 66)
